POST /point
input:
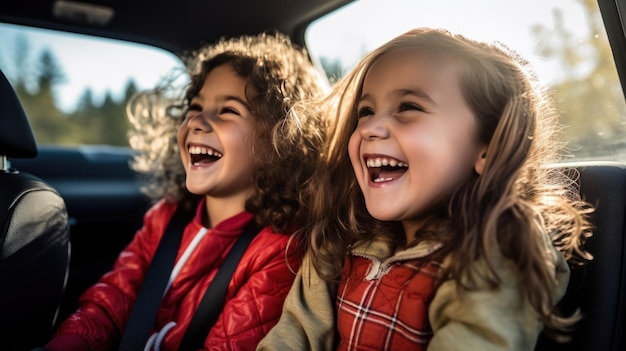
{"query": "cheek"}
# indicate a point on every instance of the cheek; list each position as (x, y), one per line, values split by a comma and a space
(354, 145)
(250, 141)
(460, 165)
(181, 133)
(181, 137)
(244, 143)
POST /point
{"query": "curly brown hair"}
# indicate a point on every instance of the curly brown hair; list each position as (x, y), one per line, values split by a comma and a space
(517, 200)
(278, 74)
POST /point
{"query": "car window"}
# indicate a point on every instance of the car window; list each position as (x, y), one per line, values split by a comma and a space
(565, 41)
(74, 88)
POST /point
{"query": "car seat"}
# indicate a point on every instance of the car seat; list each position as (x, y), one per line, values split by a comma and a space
(599, 287)
(34, 237)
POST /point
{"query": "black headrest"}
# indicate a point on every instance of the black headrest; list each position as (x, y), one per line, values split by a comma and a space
(16, 136)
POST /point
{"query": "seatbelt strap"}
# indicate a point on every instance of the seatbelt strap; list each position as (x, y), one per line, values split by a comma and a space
(150, 294)
(212, 302)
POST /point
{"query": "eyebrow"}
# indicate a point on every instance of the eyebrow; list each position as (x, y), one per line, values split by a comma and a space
(417, 92)
(420, 93)
(225, 98)
(235, 98)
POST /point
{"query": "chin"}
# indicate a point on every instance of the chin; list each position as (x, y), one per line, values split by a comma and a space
(381, 215)
(196, 190)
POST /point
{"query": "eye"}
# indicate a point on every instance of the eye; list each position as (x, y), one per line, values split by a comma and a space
(192, 110)
(365, 111)
(194, 107)
(409, 106)
(229, 110)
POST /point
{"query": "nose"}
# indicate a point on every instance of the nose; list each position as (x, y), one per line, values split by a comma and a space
(374, 127)
(199, 123)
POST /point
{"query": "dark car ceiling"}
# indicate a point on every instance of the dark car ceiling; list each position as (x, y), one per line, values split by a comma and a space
(175, 25)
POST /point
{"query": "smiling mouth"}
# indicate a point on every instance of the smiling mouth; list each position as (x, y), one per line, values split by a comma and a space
(203, 155)
(385, 169)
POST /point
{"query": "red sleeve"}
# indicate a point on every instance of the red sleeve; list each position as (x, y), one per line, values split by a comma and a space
(105, 307)
(258, 289)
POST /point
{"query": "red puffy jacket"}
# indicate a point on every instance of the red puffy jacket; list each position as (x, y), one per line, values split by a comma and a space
(253, 303)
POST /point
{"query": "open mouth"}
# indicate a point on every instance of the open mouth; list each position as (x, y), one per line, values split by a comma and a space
(203, 155)
(385, 169)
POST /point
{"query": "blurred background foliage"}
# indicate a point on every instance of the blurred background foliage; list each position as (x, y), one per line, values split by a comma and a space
(588, 96)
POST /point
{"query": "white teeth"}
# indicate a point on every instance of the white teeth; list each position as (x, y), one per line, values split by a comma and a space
(383, 161)
(200, 150)
(380, 180)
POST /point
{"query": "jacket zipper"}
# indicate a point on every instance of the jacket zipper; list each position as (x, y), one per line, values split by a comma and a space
(379, 268)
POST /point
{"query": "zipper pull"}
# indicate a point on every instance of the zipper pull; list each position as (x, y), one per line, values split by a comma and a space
(375, 270)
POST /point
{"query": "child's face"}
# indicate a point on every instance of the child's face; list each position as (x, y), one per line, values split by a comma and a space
(415, 141)
(215, 138)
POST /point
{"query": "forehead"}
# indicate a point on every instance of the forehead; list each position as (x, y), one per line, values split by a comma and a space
(411, 59)
(413, 69)
(223, 80)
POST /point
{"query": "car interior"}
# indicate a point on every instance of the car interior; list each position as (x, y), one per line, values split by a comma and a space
(67, 211)
(34, 234)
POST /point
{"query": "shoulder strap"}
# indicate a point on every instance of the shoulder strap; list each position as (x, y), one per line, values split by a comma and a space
(150, 294)
(212, 302)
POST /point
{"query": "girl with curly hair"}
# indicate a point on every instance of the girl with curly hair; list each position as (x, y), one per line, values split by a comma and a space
(219, 151)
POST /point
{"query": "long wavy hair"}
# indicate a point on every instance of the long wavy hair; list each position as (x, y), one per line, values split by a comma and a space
(278, 74)
(516, 203)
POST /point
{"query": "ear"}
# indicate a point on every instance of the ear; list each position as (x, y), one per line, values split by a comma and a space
(479, 165)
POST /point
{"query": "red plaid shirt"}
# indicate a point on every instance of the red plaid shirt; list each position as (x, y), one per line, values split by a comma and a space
(385, 307)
